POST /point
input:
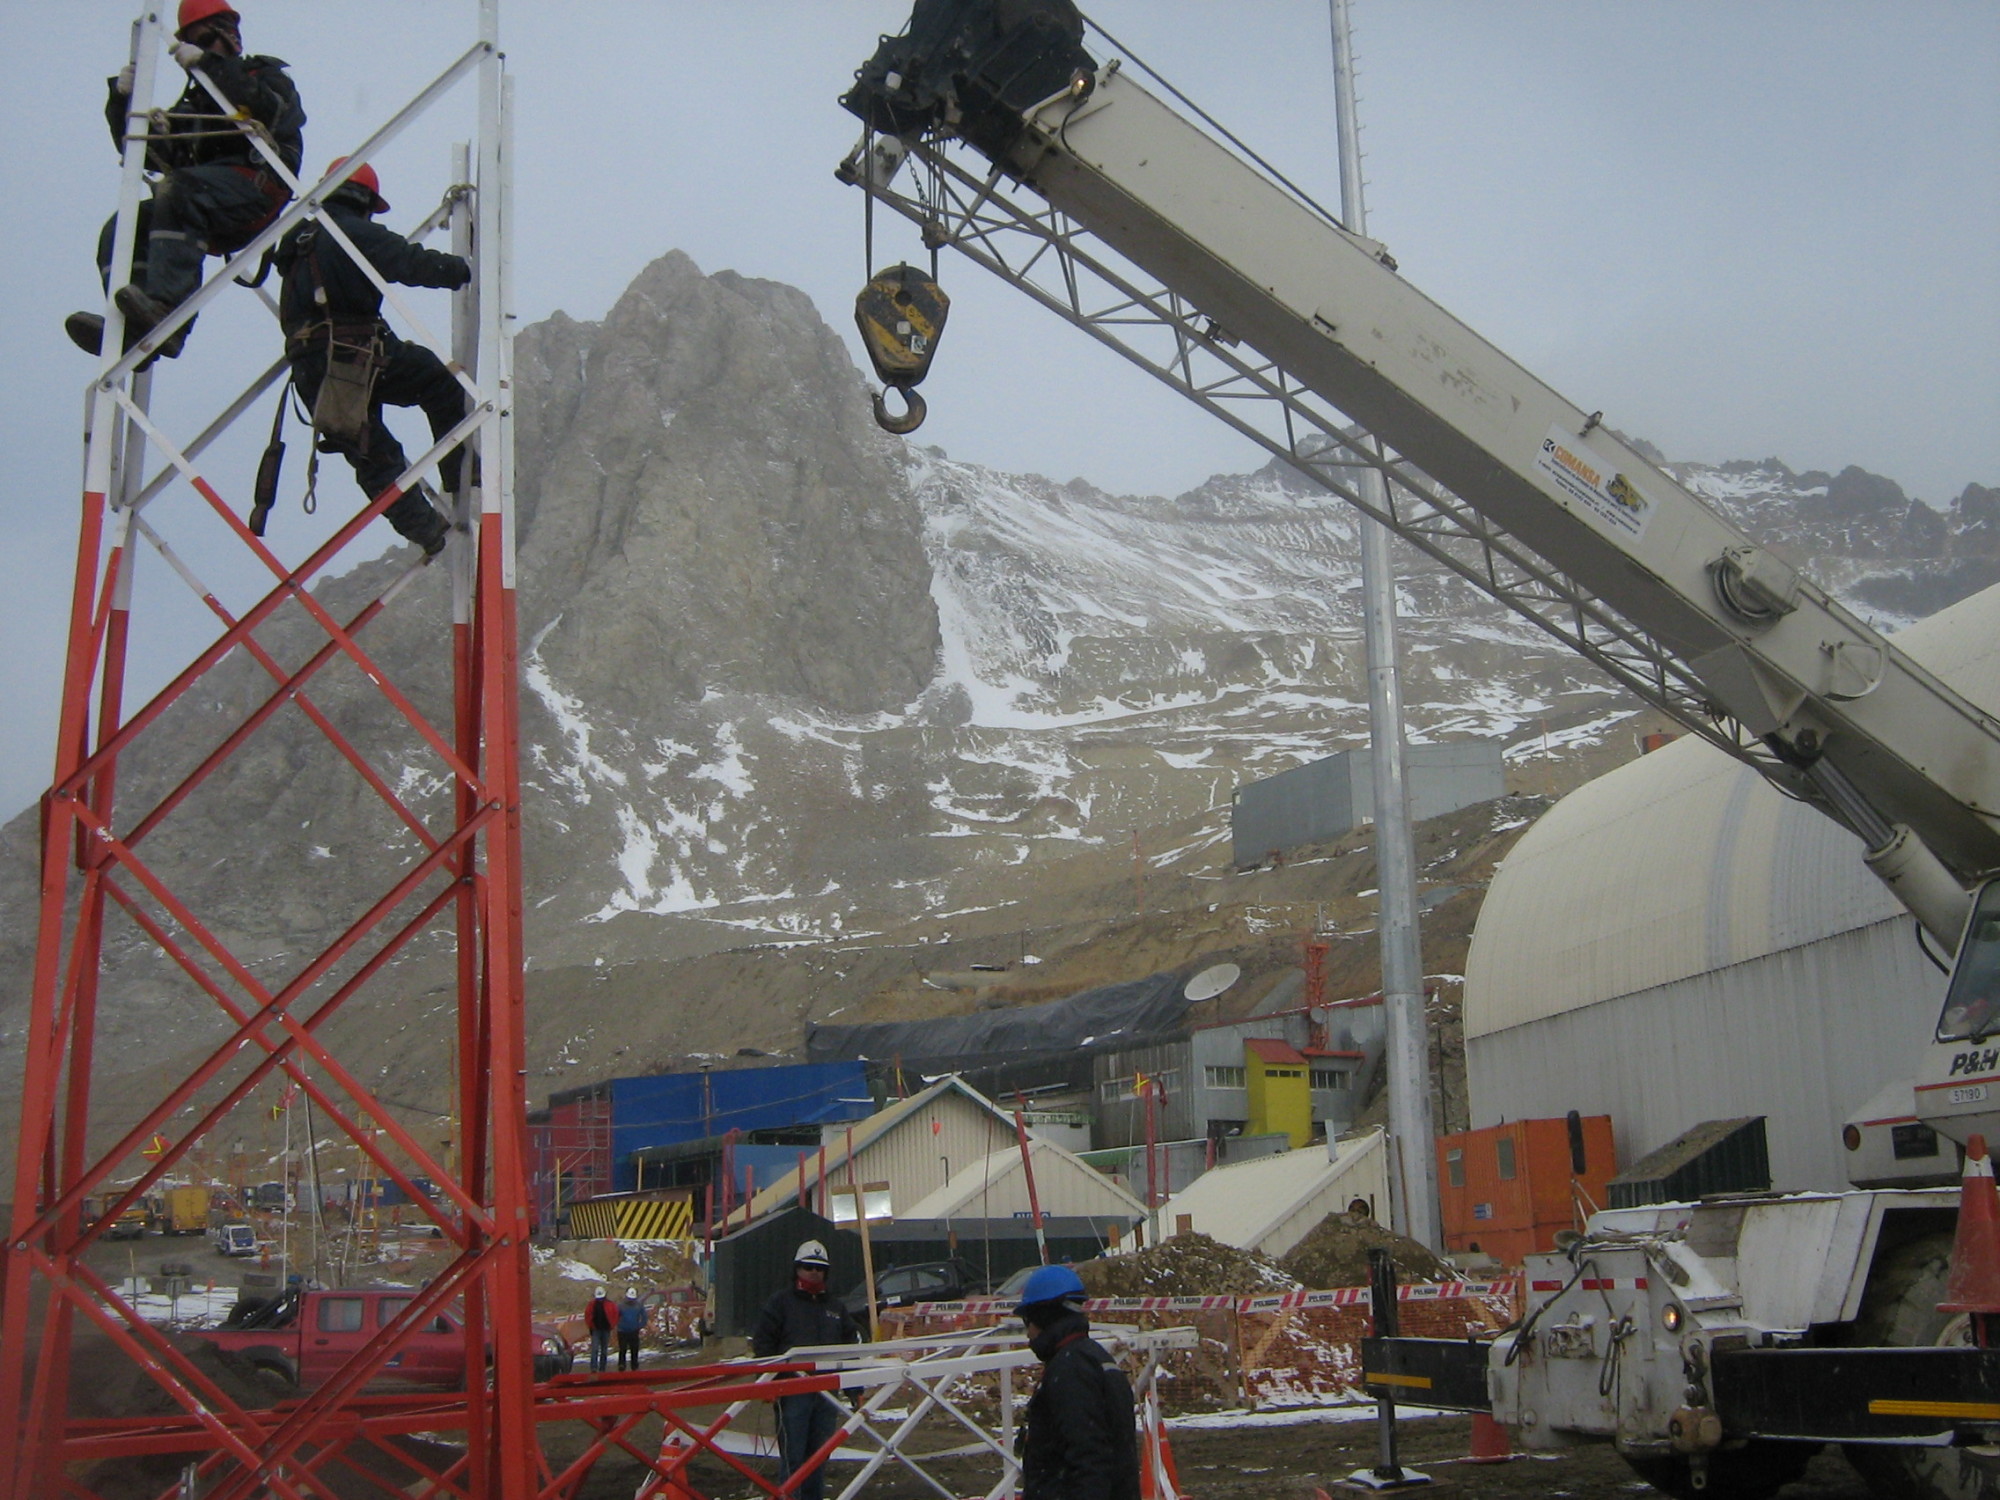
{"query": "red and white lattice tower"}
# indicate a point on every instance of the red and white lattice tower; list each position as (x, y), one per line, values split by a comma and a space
(99, 889)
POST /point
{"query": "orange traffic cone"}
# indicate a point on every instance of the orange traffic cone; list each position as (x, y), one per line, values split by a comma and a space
(670, 1478)
(1973, 1284)
(1158, 1443)
(1490, 1442)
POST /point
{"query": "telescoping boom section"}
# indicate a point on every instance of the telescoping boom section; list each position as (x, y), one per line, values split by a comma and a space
(1089, 176)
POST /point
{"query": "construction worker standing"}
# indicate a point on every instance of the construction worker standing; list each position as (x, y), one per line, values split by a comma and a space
(600, 1318)
(804, 1316)
(631, 1324)
(340, 347)
(216, 191)
(1079, 1443)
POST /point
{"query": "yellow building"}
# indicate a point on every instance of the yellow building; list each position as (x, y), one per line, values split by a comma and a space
(1280, 1090)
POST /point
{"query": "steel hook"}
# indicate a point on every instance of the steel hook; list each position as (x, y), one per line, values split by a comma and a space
(913, 415)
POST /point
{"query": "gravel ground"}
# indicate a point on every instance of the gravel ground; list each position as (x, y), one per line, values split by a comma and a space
(1268, 1457)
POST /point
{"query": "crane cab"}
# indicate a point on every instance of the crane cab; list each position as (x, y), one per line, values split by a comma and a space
(1958, 1084)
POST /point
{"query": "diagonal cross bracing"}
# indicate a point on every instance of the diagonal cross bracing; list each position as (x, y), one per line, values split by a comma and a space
(465, 871)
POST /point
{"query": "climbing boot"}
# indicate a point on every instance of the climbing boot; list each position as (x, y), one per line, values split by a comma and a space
(141, 308)
(86, 331)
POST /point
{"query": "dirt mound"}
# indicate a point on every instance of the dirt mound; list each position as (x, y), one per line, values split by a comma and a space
(105, 1381)
(1336, 1255)
(1188, 1265)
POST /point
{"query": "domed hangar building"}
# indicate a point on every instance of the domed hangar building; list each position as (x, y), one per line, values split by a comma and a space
(1678, 941)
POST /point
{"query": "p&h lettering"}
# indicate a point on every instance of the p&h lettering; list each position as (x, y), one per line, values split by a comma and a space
(1964, 1064)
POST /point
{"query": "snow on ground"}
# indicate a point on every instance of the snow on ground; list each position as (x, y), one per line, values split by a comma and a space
(1292, 1416)
(201, 1306)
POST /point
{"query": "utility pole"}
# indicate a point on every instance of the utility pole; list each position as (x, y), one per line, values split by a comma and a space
(1413, 1182)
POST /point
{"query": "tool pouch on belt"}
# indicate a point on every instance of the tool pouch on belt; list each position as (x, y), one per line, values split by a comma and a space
(353, 361)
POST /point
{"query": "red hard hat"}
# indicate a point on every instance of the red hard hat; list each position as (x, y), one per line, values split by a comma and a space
(203, 10)
(363, 176)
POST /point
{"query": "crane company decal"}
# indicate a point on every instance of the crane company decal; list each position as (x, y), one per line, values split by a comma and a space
(1612, 499)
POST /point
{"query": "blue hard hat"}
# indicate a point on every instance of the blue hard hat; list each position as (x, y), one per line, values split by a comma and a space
(1050, 1284)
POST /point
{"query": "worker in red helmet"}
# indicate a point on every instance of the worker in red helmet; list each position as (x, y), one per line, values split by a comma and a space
(332, 315)
(214, 191)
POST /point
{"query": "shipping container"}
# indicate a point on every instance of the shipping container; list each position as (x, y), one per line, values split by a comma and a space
(1508, 1190)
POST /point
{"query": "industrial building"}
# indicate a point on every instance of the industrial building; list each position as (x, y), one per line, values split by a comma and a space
(1677, 942)
(1297, 1073)
(594, 1140)
(946, 1149)
(1326, 798)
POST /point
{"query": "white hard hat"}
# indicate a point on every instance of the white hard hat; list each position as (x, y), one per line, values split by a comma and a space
(631, 1294)
(811, 1253)
(604, 1291)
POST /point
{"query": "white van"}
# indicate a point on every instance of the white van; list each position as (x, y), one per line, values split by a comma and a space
(235, 1239)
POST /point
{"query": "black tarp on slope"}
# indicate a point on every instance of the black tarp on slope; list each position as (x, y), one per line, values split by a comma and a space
(1117, 1015)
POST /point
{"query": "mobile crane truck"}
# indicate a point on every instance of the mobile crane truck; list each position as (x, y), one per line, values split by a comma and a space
(1718, 1345)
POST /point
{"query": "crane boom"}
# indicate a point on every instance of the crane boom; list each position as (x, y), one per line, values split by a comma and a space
(1515, 487)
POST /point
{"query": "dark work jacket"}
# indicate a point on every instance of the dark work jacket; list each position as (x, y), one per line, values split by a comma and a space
(255, 84)
(1080, 1443)
(350, 296)
(793, 1319)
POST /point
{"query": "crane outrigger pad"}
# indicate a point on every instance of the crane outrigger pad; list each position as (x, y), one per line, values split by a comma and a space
(1444, 1374)
(1842, 1395)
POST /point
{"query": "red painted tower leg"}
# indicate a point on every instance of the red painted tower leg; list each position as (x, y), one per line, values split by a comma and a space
(97, 870)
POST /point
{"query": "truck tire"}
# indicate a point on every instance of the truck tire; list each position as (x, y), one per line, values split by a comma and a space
(273, 1370)
(1899, 1309)
(1755, 1471)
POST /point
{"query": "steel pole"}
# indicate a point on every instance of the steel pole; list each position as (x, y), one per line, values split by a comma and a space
(1413, 1182)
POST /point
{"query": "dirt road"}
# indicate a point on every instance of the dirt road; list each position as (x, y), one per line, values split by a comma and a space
(1259, 1463)
(1270, 1458)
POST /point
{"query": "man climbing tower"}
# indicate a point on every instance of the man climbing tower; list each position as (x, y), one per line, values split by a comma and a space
(346, 362)
(215, 192)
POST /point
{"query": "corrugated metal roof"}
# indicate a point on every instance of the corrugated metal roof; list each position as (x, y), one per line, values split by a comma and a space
(970, 1125)
(1684, 862)
(1247, 1204)
(995, 1187)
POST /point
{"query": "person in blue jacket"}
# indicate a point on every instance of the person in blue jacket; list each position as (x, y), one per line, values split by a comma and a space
(631, 1323)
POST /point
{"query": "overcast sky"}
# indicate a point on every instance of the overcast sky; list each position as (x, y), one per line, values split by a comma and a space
(1740, 228)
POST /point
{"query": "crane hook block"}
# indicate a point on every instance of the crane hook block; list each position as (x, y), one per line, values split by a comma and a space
(901, 315)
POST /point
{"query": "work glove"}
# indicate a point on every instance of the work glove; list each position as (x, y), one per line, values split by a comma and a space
(187, 54)
(124, 84)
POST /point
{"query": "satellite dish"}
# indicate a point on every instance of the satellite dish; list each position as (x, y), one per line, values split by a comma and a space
(1211, 982)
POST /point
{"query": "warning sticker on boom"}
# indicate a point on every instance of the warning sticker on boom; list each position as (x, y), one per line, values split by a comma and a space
(1611, 499)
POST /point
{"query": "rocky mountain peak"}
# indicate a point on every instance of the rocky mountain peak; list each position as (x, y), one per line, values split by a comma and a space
(708, 496)
(790, 681)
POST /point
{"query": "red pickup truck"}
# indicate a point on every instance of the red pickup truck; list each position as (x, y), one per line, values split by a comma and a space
(299, 1338)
